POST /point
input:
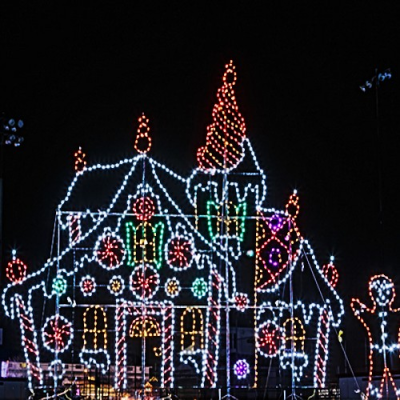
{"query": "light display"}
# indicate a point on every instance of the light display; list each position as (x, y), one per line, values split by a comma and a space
(144, 281)
(98, 314)
(143, 208)
(157, 272)
(269, 339)
(383, 347)
(57, 334)
(331, 273)
(116, 285)
(180, 253)
(143, 140)
(241, 301)
(109, 251)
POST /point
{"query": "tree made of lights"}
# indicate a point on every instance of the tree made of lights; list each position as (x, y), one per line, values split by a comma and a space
(151, 265)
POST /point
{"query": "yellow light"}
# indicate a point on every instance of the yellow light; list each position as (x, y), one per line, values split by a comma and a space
(97, 313)
(194, 317)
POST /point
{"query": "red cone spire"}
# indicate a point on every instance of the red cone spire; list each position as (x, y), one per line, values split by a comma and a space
(223, 149)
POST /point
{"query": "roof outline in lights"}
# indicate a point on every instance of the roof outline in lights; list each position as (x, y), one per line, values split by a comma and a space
(306, 249)
(98, 217)
(260, 193)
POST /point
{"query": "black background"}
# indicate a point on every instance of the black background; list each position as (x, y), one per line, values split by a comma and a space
(82, 75)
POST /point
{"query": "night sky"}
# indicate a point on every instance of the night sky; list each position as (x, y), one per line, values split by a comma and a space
(81, 76)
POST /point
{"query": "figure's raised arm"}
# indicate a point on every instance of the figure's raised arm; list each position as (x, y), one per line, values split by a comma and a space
(358, 307)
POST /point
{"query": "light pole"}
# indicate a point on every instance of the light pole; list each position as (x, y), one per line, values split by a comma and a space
(10, 136)
(375, 82)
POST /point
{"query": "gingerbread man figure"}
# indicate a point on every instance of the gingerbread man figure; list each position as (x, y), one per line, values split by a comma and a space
(381, 322)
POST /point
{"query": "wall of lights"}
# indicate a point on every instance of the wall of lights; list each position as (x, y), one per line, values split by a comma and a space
(157, 274)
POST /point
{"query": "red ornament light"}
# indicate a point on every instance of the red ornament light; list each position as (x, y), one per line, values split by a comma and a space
(109, 251)
(87, 286)
(144, 281)
(57, 334)
(16, 269)
(241, 301)
(144, 208)
(180, 253)
(223, 149)
(269, 337)
(143, 140)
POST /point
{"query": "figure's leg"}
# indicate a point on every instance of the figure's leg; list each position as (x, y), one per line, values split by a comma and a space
(387, 385)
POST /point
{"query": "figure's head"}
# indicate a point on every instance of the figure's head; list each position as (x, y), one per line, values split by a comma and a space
(381, 290)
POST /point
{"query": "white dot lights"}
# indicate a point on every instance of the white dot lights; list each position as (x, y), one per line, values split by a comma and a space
(383, 342)
(172, 287)
(144, 282)
(116, 285)
(57, 334)
(164, 258)
(88, 285)
(109, 251)
(16, 269)
(241, 369)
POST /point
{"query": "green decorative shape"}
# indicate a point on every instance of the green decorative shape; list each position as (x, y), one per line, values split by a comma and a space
(59, 285)
(158, 236)
(199, 288)
(240, 215)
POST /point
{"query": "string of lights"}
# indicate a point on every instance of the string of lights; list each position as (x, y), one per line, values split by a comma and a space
(163, 262)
